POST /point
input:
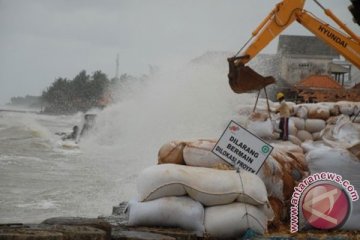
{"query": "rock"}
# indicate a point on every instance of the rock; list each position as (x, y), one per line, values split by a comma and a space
(140, 235)
(77, 221)
(27, 234)
(51, 232)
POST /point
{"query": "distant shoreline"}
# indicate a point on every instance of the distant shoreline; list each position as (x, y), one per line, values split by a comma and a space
(20, 111)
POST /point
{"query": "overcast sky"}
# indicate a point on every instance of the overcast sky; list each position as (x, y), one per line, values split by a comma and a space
(41, 40)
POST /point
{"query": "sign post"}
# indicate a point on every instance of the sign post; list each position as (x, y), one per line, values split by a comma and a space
(241, 148)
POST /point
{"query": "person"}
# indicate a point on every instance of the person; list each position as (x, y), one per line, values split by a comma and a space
(284, 112)
(73, 135)
(89, 120)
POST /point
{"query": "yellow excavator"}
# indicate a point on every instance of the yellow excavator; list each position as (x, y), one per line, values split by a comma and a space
(244, 79)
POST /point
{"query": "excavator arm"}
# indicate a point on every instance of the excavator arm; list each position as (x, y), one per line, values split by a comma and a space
(243, 79)
(347, 46)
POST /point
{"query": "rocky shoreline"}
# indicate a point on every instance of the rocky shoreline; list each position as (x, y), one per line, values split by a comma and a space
(115, 227)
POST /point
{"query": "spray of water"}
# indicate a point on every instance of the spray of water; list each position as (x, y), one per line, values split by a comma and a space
(192, 103)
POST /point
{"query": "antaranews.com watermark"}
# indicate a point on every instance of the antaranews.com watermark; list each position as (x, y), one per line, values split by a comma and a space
(325, 200)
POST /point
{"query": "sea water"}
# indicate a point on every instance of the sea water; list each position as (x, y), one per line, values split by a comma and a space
(40, 178)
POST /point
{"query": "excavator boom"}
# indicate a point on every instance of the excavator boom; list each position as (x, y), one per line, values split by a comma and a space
(244, 79)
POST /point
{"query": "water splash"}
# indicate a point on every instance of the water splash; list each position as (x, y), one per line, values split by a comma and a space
(192, 103)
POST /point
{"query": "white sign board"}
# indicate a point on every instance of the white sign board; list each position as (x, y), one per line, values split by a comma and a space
(241, 148)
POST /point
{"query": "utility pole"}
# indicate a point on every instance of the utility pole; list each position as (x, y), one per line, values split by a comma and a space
(117, 67)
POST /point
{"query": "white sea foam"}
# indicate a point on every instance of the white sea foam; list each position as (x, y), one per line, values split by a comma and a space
(193, 103)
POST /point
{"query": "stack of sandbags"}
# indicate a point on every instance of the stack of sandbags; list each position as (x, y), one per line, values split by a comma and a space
(348, 108)
(164, 188)
(281, 172)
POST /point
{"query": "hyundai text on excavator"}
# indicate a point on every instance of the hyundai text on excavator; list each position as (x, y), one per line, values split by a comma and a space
(244, 79)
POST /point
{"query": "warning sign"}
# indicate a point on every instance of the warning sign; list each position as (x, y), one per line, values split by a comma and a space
(241, 148)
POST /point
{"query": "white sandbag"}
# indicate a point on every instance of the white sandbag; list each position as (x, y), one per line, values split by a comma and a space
(299, 123)
(182, 212)
(301, 111)
(171, 152)
(346, 108)
(206, 185)
(292, 128)
(339, 161)
(199, 154)
(304, 136)
(314, 125)
(262, 129)
(232, 220)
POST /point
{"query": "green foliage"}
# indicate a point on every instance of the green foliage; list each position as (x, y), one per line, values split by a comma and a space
(79, 94)
(27, 101)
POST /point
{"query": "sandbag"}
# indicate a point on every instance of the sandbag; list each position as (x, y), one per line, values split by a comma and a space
(339, 161)
(292, 128)
(182, 212)
(304, 135)
(262, 129)
(299, 123)
(319, 113)
(232, 220)
(171, 152)
(301, 111)
(206, 185)
(314, 125)
(199, 154)
(346, 108)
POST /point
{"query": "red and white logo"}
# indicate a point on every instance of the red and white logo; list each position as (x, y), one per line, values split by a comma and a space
(325, 206)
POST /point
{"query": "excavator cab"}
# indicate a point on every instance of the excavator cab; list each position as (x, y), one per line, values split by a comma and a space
(244, 79)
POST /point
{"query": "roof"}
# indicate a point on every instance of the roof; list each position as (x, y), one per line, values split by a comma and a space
(318, 81)
(305, 45)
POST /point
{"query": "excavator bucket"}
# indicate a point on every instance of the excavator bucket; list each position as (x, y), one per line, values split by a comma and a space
(244, 79)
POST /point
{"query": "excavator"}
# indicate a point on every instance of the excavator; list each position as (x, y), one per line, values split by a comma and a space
(244, 79)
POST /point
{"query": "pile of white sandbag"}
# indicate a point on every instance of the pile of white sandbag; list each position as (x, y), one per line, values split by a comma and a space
(306, 123)
(221, 203)
(281, 172)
